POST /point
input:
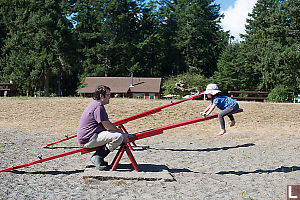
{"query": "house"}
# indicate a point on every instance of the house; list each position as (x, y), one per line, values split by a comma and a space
(131, 87)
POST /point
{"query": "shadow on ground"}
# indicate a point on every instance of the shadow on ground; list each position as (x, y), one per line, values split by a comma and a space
(261, 171)
(49, 172)
(147, 168)
(202, 150)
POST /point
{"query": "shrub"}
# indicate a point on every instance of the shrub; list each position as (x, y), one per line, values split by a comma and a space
(191, 80)
(280, 94)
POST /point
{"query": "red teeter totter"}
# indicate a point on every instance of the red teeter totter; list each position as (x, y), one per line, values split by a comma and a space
(125, 147)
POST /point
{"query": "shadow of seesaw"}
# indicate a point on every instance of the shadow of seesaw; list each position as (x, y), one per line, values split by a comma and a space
(147, 168)
(150, 168)
(281, 169)
(51, 172)
(204, 150)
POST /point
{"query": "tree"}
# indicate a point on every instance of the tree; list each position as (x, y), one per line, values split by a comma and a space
(109, 32)
(16, 59)
(194, 33)
(228, 70)
(38, 43)
(269, 39)
(269, 56)
(190, 83)
(199, 35)
(150, 45)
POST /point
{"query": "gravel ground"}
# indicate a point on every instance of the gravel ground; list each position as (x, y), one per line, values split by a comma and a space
(254, 160)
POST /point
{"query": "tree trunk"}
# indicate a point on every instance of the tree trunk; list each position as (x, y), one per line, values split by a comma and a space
(46, 83)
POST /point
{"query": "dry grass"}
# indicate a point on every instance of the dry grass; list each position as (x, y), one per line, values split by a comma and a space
(60, 116)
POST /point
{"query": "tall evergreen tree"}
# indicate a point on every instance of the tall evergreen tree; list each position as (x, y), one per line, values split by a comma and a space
(269, 39)
(172, 61)
(199, 35)
(148, 60)
(228, 74)
(108, 32)
(269, 56)
(38, 44)
(195, 33)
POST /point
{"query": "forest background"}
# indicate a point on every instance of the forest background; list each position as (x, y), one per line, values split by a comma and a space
(48, 47)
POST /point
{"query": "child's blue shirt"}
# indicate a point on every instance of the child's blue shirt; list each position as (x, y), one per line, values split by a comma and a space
(224, 102)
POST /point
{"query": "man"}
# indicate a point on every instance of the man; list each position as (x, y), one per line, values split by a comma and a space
(95, 129)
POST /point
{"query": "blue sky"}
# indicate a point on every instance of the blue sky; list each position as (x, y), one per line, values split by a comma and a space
(225, 3)
(236, 12)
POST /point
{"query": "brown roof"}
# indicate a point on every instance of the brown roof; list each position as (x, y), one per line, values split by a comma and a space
(122, 84)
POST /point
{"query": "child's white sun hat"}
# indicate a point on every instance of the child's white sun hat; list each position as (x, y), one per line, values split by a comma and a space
(211, 89)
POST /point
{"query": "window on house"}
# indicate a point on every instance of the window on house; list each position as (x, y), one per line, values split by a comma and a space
(151, 96)
(138, 95)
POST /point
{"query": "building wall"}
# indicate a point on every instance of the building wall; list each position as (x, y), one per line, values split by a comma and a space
(154, 96)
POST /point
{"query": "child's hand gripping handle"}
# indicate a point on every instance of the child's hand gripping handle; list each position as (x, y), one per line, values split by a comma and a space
(203, 114)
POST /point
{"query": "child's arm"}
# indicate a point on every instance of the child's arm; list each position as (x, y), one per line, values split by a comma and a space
(212, 107)
(208, 110)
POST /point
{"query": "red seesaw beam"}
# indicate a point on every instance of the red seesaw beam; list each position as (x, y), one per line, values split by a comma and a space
(160, 130)
(134, 117)
(152, 111)
(67, 138)
(153, 132)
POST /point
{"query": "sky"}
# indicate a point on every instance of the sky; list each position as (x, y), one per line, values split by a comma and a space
(236, 12)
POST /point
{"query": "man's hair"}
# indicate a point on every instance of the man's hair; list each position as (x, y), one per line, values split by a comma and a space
(101, 89)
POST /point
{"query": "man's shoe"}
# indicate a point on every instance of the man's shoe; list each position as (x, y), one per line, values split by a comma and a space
(99, 163)
(98, 158)
(103, 151)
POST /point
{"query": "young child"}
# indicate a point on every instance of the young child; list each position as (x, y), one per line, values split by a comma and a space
(226, 104)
